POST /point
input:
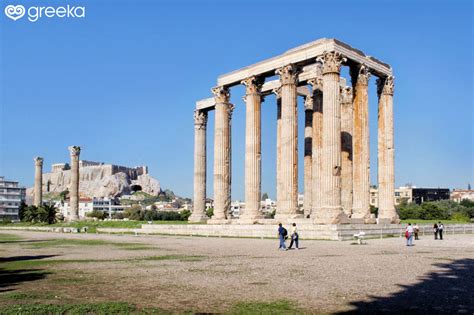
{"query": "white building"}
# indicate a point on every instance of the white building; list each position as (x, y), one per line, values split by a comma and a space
(87, 205)
(404, 193)
(11, 197)
(459, 194)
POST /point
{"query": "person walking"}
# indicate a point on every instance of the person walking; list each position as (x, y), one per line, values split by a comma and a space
(282, 234)
(416, 229)
(435, 231)
(440, 230)
(409, 234)
(294, 236)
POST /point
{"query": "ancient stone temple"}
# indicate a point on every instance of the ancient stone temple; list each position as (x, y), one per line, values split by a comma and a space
(336, 133)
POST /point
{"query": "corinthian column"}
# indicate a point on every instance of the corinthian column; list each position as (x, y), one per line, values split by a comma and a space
(222, 155)
(317, 85)
(346, 155)
(386, 177)
(38, 190)
(74, 186)
(361, 151)
(308, 145)
(278, 148)
(199, 207)
(332, 212)
(289, 144)
(253, 151)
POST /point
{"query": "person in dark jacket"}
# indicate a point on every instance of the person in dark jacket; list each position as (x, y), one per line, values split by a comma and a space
(435, 231)
(282, 233)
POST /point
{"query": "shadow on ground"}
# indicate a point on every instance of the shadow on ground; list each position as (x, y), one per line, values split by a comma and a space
(450, 290)
(11, 277)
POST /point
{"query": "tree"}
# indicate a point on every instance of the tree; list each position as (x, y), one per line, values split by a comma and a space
(185, 214)
(210, 212)
(63, 194)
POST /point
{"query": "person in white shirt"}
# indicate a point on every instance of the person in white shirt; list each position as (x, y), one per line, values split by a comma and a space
(294, 236)
(409, 234)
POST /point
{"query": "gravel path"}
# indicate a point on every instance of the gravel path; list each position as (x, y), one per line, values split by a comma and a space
(324, 276)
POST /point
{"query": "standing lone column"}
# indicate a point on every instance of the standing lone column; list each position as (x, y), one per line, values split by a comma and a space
(199, 207)
(308, 148)
(74, 186)
(289, 144)
(317, 85)
(222, 155)
(253, 151)
(346, 155)
(361, 150)
(386, 178)
(38, 191)
(331, 212)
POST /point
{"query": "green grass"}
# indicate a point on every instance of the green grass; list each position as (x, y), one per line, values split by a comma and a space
(277, 307)
(9, 238)
(81, 242)
(86, 308)
(175, 257)
(29, 296)
(412, 221)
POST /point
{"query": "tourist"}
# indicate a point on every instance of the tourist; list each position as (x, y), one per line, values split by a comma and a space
(294, 236)
(282, 235)
(440, 230)
(435, 231)
(409, 234)
(416, 229)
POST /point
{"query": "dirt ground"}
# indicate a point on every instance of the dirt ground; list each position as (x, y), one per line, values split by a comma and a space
(212, 274)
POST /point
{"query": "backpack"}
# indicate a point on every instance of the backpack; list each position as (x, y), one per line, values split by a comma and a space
(284, 233)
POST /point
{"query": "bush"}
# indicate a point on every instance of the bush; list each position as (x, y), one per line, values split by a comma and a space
(185, 214)
(44, 214)
(437, 210)
(210, 212)
(117, 215)
(101, 215)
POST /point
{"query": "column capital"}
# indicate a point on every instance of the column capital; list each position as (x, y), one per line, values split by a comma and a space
(316, 83)
(200, 119)
(386, 85)
(331, 61)
(346, 95)
(288, 74)
(230, 110)
(360, 75)
(38, 161)
(74, 150)
(221, 94)
(253, 85)
(308, 103)
(277, 92)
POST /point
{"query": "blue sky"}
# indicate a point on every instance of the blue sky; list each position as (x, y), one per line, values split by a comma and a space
(122, 82)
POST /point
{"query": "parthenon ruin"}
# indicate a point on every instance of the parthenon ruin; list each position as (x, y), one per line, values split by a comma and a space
(336, 155)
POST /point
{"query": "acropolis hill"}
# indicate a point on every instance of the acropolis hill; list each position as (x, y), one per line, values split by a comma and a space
(100, 180)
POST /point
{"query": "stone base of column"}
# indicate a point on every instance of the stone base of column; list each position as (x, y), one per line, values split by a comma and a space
(250, 219)
(72, 219)
(198, 217)
(331, 216)
(394, 220)
(368, 220)
(283, 216)
(219, 221)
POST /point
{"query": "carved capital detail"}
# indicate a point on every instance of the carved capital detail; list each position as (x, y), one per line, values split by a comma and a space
(316, 83)
(360, 75)
(38, 161)
(221, 94)
(332, 61)
(309, 103)
(277, 92)
(253, 85)
(386, 85)
(200, 119)
(74, 150)
(288, 74)
(346, 95)
(230, 110)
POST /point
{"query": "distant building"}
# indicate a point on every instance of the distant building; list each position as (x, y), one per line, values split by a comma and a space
(420, 195)
(401, 194)
(87, 205)
(11, 196)
(459, 194)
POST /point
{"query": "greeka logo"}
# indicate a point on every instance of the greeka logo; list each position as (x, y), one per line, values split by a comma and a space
(16, 12)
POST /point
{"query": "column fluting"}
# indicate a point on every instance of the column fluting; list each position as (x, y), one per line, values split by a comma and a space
(289, 141)
(386, 176)
(200, 171)
(74, 185)
(38, 189)
(308, 154)
(317, 143)
(347, 122)
(222, 154)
